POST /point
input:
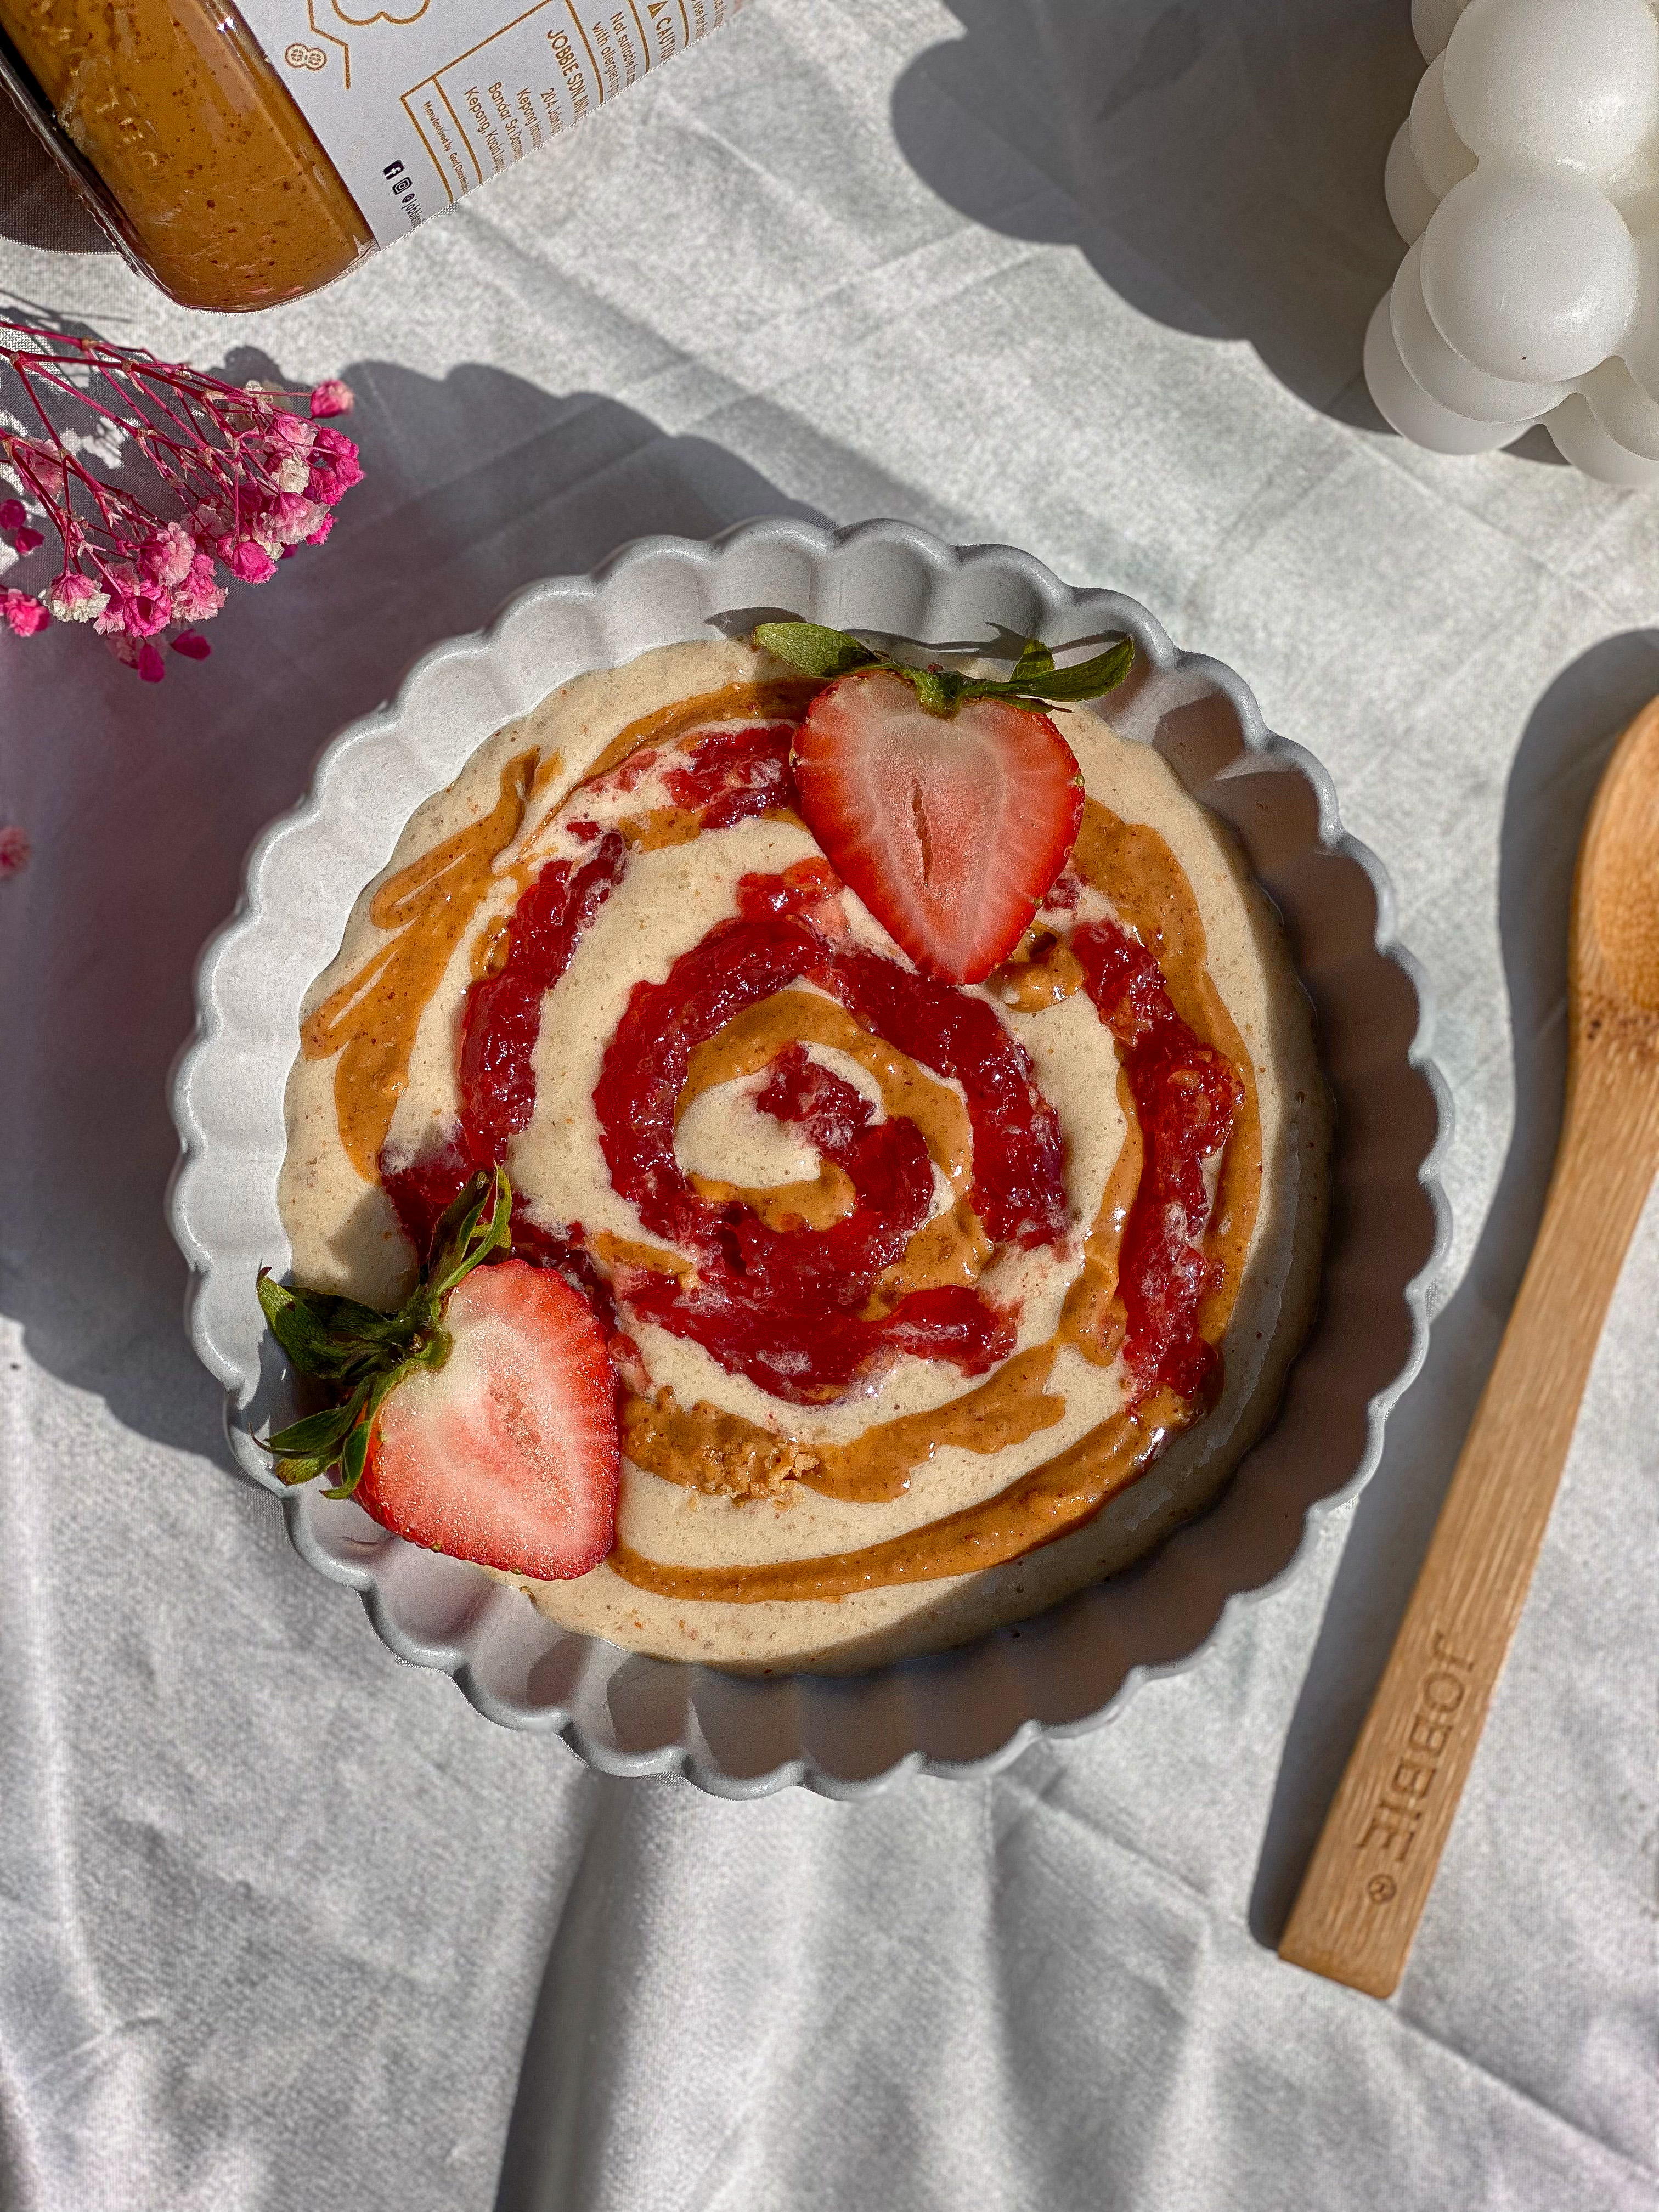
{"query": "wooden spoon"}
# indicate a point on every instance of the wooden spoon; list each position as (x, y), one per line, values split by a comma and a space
(1369, 1879)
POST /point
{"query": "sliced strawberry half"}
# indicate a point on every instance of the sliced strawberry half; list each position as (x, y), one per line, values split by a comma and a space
(478, 1419)
(506, 1455)
(950, 826)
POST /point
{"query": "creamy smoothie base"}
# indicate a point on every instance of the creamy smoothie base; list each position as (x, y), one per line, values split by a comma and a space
(377, 1079)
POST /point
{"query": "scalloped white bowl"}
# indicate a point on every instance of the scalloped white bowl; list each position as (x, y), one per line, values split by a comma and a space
(964, 1711)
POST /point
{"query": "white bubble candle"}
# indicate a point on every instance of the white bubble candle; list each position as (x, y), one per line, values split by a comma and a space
(1526, 184)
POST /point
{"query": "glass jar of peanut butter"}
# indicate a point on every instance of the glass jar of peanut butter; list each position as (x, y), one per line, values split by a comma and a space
(245, 155)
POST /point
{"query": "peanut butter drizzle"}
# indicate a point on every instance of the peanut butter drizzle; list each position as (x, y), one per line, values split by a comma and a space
(952, 1247)
(489, 953)
(661, 826)
(1037, 1507)
(781, 700)
(681, 825)
(703, 1448)
(625, 1252)
(1043, 971)
(1007, 1407)
(1148, 888)
(787, 1206)
(371, 1021)
(754, 1038)
(1093, 1318)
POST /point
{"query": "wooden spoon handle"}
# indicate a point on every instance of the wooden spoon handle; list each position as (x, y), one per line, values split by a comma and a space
(1369, 1879)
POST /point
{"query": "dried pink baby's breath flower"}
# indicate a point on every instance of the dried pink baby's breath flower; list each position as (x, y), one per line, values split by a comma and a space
(137, 606)
(290, 518)
(14, 850)
(14, 526)
(334, 467)
(195, 597)
(248, 559)
(39, 465)
(167, 556)
(74, 598)
(250, 479)
(23, 615)
(137, 652)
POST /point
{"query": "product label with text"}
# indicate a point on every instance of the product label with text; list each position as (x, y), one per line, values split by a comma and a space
(418, 100)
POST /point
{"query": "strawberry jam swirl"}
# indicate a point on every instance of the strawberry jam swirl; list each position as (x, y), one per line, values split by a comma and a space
(1187, 1098)
(788, 1308)
(814, 1300)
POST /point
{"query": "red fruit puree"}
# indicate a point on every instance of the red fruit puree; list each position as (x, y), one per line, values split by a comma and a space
(788, 1307)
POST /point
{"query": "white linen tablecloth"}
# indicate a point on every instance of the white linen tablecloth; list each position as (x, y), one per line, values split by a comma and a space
(283, 1923)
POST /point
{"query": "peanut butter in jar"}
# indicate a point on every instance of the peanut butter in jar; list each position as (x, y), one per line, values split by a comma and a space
(245, 157)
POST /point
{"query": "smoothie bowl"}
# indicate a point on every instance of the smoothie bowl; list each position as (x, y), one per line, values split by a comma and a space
(856, 1152)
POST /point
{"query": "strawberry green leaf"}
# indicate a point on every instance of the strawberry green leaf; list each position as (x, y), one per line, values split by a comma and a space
(1017, 703)
(815, 650)
(465, 1237)
(297, 1471)
(1034, 661)
(326, 1335)
(458, 1223)
(375, 1333)
(354, 1457)
(317, 1433)
(828, 653)
(1085, 679)
(366, 1354)
(302, 1323)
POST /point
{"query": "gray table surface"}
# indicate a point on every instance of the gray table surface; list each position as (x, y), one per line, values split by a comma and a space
(283, 1923)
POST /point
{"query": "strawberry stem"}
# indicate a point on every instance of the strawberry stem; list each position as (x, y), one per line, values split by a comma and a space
(1034, 683)
(364, 1353)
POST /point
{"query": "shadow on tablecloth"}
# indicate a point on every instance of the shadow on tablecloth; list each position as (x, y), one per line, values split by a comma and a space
(1219, 162)
(1568, 739)
(37, 207)
(143, 799)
